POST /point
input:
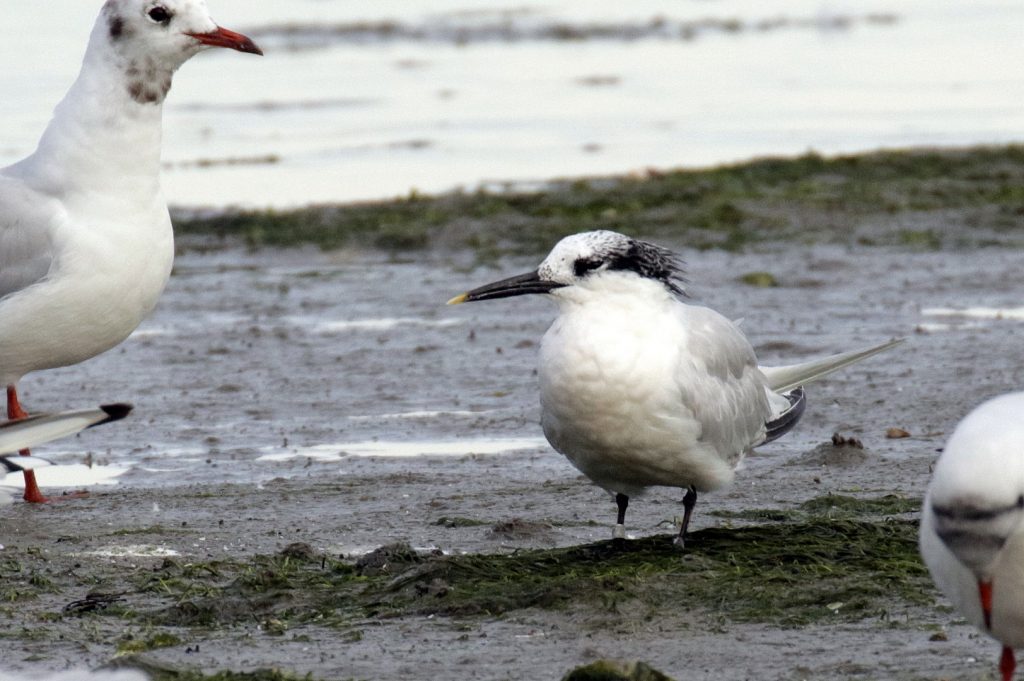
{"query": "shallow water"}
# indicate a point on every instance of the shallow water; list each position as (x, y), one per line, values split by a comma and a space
(329, 117)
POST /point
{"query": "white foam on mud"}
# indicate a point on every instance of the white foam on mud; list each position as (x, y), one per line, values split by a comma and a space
(71, 475)
(393, 449)
(132, 551)
(381, 324)
(995, 313)
(421, 415)
(929, 327)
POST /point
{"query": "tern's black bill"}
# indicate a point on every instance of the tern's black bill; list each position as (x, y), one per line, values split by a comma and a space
(506, 288)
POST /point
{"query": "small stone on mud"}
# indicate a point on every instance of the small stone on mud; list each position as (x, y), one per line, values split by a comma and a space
(896, 433)
(388, 560)
(438, 588)
(938, 636)
(517, 528)
(299, 550)
(840, 452)
(844, 441)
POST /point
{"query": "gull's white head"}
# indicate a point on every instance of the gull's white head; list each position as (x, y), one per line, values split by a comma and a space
(976, 496)
(584, 259)
(147, 40)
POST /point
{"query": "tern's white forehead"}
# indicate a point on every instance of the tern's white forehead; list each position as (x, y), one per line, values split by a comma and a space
(984, 457)
(591, 256)
(599, 245)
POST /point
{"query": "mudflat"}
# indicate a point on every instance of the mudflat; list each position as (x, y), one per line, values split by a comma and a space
(329, 473)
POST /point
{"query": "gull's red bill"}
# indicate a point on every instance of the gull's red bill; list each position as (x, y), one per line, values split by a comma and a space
(222, 37)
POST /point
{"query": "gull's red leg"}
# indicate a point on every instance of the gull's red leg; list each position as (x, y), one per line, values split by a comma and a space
(16, 413)
(1007, 663)
(985, 596)
(32, 493)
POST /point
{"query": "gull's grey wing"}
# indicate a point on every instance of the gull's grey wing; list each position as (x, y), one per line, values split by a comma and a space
(720, 383)
(26, 245)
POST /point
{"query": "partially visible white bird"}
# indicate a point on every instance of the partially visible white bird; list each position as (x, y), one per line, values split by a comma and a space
(85, 237)
(38, 429)
(639, 389)
(972, 524)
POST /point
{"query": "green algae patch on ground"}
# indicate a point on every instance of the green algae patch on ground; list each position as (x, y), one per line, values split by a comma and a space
(159, 672)
(613, 670)
(835, 559)
(759, 279)
(784, 573)
(791, 569)
(829, 506)
(839, 504)
(130, 644)
(972, 196)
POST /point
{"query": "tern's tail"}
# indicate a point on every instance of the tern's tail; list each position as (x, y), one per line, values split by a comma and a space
(781, 379)
(35, 430)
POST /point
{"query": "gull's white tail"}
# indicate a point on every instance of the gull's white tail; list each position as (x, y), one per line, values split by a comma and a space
(35, 430)
(781, 379)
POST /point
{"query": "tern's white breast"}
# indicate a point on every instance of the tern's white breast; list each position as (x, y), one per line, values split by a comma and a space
(617, 378)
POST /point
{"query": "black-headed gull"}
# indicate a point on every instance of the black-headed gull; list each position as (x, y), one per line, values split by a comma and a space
(639, 389)
(85, 237)
(972, 524)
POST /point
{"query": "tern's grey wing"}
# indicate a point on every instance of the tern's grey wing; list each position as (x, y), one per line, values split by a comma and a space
(26, 246)
(720, 383)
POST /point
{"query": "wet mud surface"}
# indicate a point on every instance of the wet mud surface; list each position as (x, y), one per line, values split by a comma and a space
(275, 391)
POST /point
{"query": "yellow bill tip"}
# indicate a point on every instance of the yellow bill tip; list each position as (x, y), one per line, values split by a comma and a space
(461, 298)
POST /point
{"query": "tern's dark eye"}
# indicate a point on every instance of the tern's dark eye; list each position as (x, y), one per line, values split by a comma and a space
(159, 14)
(584, 265)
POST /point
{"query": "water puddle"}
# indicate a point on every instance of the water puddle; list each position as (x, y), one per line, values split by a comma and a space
(394, 449)
(70, 475)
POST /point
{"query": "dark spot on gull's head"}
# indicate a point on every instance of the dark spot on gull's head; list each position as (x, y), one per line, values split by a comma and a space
(115, 25)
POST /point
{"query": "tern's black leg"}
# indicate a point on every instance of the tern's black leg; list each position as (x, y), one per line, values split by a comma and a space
(622, 501)
(689, 501)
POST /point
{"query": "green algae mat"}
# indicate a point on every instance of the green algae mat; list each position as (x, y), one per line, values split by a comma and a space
(957, 198)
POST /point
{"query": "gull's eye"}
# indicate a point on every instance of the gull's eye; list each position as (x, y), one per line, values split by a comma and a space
(584, 265)
(159, 14)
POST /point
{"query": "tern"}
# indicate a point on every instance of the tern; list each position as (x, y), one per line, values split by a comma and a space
(86, 244)
(972, 524)
(639, 389)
